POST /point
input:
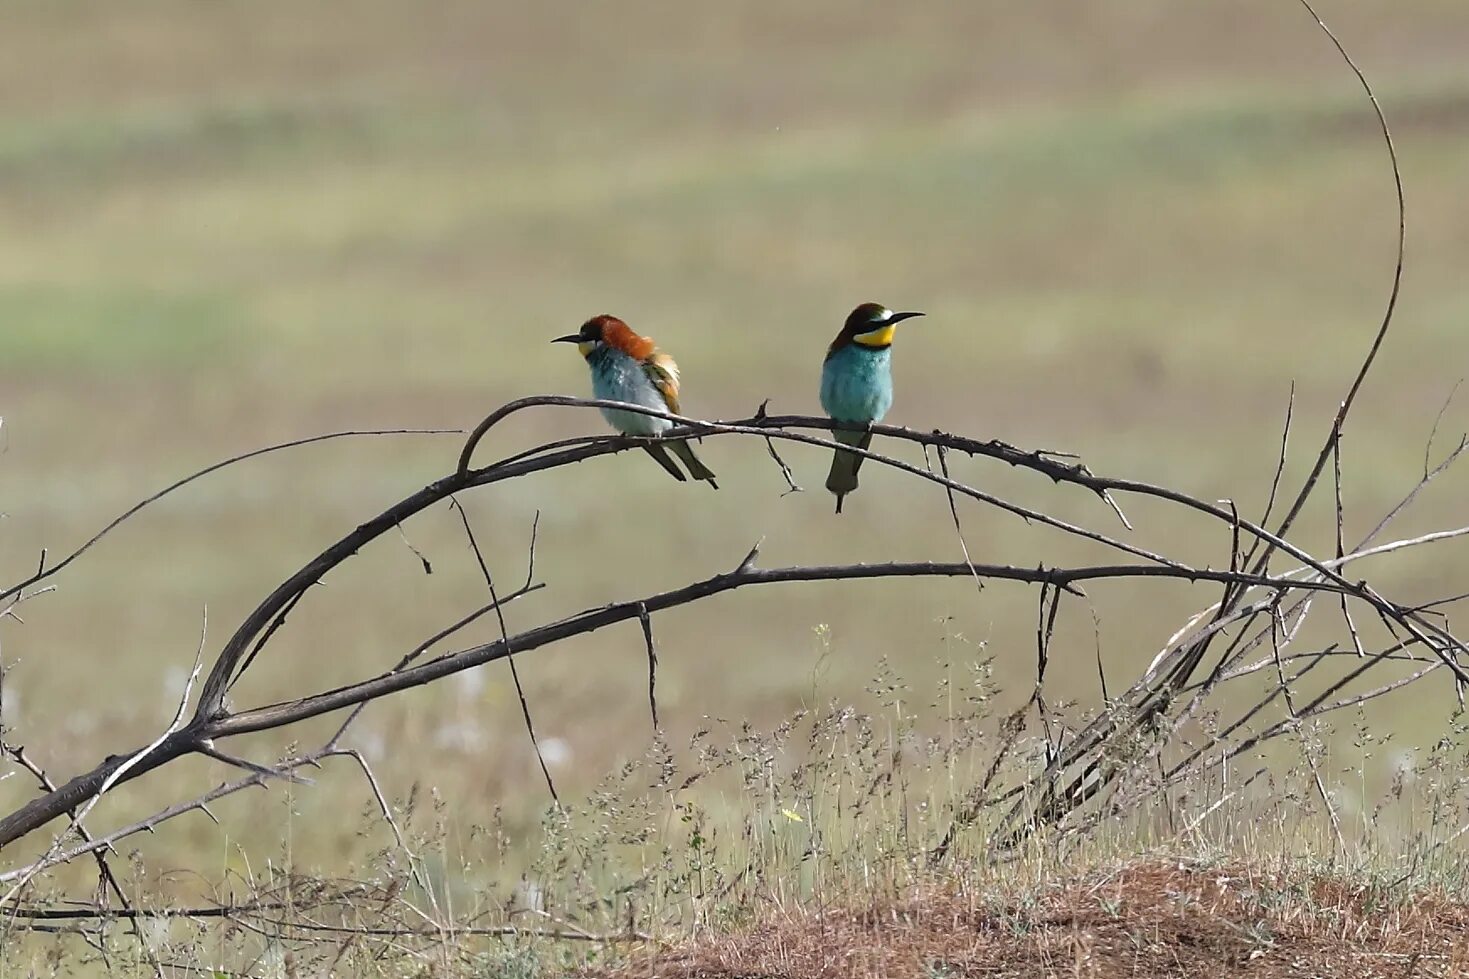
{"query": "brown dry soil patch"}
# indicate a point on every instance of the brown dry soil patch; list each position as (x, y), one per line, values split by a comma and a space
(1149, 920)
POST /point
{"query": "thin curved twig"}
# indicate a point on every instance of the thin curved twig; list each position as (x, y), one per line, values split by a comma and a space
(43, 572)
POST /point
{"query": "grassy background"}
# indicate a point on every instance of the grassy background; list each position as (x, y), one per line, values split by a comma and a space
(234, 223)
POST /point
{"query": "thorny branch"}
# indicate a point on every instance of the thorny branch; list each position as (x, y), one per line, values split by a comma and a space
(213, 719)
(408, 675)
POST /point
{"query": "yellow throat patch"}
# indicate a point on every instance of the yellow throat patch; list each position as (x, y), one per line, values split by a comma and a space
(586, 347)
(881, 337)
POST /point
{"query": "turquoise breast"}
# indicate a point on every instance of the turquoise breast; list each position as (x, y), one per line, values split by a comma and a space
(857, 384)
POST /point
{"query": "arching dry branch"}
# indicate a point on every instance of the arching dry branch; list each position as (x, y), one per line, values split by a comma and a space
(212, 719)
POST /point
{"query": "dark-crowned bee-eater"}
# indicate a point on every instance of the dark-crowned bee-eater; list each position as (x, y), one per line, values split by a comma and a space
(628, 367)
(857, 385)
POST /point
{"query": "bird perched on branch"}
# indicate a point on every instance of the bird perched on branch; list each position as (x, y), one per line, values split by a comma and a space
(857, 385)
(628, 367)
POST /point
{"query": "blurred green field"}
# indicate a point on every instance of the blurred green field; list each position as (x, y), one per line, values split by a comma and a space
(227, 224)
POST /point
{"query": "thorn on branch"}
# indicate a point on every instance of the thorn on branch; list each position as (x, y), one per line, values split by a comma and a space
(748, 564)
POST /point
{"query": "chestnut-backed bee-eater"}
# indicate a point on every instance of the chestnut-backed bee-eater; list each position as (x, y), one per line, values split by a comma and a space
(857, 385)
(628, 367)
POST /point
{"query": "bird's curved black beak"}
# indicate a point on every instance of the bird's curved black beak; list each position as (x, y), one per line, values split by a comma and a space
(896, 317)
(569, 338)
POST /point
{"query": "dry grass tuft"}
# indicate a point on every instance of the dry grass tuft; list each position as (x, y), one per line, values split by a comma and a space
(1156, 919)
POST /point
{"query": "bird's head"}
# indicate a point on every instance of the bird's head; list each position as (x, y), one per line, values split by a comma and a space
(871, 325)
(594, 333)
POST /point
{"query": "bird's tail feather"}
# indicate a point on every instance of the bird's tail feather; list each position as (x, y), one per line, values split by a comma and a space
(660, 455)
(844, 465)
(696, 468)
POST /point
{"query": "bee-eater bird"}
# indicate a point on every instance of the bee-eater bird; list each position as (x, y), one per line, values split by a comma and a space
(857, 385)
(628, 367)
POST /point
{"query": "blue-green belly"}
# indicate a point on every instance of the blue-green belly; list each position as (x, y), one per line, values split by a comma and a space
(857, 384)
